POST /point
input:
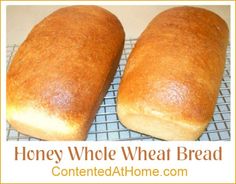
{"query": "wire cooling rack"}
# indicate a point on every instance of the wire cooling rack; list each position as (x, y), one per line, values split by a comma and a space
(107, 126)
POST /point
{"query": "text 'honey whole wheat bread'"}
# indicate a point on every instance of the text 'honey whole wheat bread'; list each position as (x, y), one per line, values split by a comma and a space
(62, 71)
(172, 78)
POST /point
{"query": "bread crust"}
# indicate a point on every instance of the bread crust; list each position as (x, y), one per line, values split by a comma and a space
(62, 71)
(174, 73)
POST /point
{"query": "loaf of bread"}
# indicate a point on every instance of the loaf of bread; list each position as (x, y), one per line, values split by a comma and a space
(62, 71)
(171, 82)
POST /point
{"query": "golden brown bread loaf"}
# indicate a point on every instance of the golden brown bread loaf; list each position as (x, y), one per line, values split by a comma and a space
(171, 82)
(62, 71)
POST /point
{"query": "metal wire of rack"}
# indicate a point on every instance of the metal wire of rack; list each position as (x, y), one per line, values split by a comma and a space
(107, 126)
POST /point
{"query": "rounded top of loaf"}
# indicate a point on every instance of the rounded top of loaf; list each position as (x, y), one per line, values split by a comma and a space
(192, 17)
(89, 10)
(202, 13)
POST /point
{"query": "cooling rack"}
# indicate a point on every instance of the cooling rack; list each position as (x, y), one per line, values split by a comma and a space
(107, 126)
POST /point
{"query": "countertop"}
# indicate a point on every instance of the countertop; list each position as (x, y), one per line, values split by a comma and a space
(21, 19)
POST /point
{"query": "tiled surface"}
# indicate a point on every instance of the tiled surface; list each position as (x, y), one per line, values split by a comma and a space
(107, 126)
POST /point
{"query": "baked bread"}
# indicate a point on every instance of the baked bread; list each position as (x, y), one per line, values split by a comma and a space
(171, 81)
(62, 71)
